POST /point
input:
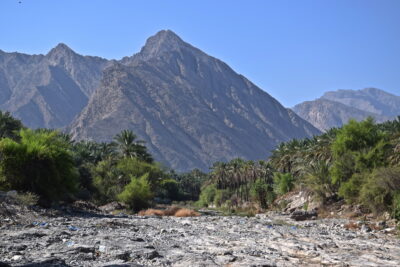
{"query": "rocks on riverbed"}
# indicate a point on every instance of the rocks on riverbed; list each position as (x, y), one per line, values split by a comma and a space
(301, 215)
(273, 239)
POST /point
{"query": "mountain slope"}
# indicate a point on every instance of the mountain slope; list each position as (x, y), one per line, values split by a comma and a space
(190, 108)
(48, 90)
(325, 114)
(335, 108)
(370, 99)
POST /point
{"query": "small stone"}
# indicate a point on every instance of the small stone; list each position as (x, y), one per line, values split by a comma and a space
(365, 228)
(16, 257)
(152, 255)
(125, 256)
(102, 248)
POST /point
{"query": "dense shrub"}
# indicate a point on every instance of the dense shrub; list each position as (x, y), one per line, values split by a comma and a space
(40, 162)
(396, 206)
(135, 167)
(350, 189)
(190, 183)
(283, 183)
(380, 190)
(27, 199)
(207, 195)
(112, 175)
(106, 180)
(169, 189)
(137, 194)
(221, 196)
(358, 147)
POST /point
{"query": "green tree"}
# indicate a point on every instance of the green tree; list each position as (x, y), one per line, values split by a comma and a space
(110, 176)
(359, 146)
(9, 126)
(263, 193)
(129, 146)
(137, 194)
(318, 178)
(283, 182)
(41, 162)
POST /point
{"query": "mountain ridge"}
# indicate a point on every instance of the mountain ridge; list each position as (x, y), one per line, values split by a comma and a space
(335, 108)
(205, 111)
(192, 109)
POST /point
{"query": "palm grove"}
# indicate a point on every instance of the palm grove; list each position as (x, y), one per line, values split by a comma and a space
(54, 167)
(359, 163)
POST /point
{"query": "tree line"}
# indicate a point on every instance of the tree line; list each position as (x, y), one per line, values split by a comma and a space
(359, 163)
(56, 168)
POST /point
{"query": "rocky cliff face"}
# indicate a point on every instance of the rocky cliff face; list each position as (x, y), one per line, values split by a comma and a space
(48, 90)
(190, 108)
(336, 108)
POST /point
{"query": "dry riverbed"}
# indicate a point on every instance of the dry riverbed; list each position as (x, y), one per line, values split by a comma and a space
(44, 238)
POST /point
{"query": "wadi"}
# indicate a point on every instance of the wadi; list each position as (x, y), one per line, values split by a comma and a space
(169, 157)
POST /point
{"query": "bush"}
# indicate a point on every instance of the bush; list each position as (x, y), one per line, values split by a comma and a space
(40, 162)
(169, 189)
(137, 194)
(380, 191)
(106, 180)
(27, 199)
(221, 196)
(111, 176)
(284, 182)
(350, 190)
(207, 195)
(396, 206)
(134, 167)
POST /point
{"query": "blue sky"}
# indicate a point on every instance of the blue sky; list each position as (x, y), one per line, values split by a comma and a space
(295, 50)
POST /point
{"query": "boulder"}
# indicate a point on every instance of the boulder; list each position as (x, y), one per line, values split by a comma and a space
(113, 206)
(301, 215)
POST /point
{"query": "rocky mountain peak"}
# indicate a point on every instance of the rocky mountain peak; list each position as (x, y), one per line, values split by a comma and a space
(60, 52)
(164, 41)
(61, 48)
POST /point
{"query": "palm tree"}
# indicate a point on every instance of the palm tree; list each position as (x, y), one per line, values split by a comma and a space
(129, 146)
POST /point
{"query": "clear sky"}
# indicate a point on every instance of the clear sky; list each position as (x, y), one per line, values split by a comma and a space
(295, 50)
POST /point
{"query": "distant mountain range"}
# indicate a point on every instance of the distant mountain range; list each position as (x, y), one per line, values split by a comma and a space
(335, 108)
(190, 108)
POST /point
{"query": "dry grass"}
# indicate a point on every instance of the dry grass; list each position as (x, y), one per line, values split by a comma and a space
(151, 212)
(186, 213)
(351, 226)
(172, 211)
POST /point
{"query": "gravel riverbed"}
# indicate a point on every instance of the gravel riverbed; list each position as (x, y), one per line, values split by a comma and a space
(90, 239)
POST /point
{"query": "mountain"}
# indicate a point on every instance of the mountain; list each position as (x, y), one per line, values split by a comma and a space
(190, 108)
(335, 108)
(325, 114)
(370, 99)
(48, 90)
